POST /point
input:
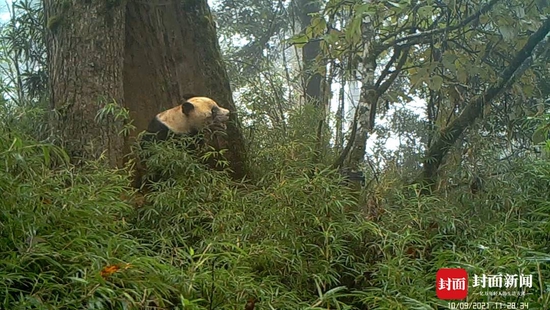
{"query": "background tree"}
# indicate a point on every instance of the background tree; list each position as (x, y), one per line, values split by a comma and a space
(314, 67)
(423, 50)
(450, 134)
(311, 51)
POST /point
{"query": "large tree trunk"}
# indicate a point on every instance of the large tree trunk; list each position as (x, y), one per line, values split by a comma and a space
(171, 50)
(85, 41)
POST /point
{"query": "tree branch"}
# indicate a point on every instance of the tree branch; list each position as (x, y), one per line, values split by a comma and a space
(387, 83)
(386, 70)
(339, 162)
(450, 134)
(417, 38)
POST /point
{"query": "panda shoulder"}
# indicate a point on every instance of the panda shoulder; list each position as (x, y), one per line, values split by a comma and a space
(156, 124)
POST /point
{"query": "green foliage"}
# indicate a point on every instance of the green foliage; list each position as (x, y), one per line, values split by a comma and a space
(500, 231)
(542, 133)
(300, 240)
(23, 54)
(283, 243)
(295, 240)
(112, 114)
(23, 81)
(278, 131)
(59, 229)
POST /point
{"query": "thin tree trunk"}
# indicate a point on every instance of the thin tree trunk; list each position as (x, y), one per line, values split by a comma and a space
(314, 73)
(85, 41)
(310, 51)
(172, 50)
(325, 109)
(339, 140)
(367, 101)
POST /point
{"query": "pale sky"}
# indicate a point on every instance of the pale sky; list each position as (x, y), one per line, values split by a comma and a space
(4, 13)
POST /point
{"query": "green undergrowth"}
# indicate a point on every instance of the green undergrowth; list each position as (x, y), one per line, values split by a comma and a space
(296, 239)
(60, 227)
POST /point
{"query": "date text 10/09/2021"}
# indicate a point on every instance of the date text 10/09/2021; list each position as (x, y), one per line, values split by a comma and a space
(488, 305)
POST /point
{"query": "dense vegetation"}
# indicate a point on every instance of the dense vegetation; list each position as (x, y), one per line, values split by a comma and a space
(71, 238)
(293, 235)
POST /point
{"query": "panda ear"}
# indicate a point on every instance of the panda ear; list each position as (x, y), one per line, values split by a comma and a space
(187, 107)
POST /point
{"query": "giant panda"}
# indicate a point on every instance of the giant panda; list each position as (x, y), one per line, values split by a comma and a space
(195, 114)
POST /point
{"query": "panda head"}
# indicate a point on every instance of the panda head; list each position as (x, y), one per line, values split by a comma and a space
(195, 114)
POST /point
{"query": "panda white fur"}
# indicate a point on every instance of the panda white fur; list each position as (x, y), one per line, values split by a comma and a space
(188, 119)
(195, 114)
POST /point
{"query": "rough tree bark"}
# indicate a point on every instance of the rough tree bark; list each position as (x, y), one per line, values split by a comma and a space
(310, 51)
(171, 50)
(450, 134)
(85, 41)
